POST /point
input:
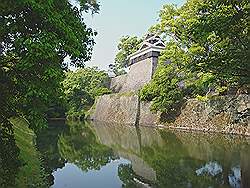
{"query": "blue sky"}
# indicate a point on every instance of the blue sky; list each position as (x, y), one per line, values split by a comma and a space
(118, 18)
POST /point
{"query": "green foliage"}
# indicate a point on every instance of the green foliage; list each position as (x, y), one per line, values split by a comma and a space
(208, 50)
(47, 144)
(9, 157)
(35, 37)
(127, 175)
(126, 47)
(165, 89)
(82, 87)
(214, 33)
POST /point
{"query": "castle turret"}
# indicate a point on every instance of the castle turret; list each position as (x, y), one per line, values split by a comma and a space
(150, 48)
(142, 65)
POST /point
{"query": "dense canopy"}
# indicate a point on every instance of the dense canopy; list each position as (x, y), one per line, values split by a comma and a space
(35, 37)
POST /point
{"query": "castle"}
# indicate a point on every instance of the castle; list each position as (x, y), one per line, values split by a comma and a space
(125, 107)
(142, 65)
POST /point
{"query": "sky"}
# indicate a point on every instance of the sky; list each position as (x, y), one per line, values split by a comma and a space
(119, 18)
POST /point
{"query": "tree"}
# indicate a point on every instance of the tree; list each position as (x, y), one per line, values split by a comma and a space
(215, 34)
(35, 37)
(208, 50)
(126, 47)
(165, 89)
(82, 87)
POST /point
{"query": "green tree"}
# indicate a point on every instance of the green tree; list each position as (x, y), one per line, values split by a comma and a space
(165, 90)
(9, 160)
(127, 45)
(82, 87)
(214, 33)
(35, 37)
(208, 50)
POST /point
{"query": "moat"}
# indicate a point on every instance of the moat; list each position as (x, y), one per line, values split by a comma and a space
(96, 155)
(106, 155)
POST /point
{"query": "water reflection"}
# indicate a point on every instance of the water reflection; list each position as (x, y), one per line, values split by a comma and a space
(97, 154)
(47, 144)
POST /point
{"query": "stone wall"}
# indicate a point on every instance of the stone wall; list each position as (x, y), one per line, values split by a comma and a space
(123, 108)
(227, 114)
(146, 117)
(117, 83)
(119, 108)
(139, 74)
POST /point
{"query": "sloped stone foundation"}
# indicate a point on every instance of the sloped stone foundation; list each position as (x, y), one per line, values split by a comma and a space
(225, 114)
(123, 108)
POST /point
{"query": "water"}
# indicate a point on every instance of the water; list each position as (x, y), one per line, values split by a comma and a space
(107, 155)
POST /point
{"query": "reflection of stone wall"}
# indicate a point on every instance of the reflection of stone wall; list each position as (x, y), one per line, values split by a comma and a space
(202, 146)
(139, 166)
(245, 167)
(127, 137)
(127, 141)
(146, 146)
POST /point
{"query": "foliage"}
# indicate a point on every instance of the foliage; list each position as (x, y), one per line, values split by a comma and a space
(82, 87)
(208, 51)
(35, 37)
(217, 38)
(165, 90)
(127, 175)
(127, 45)
(9, 157)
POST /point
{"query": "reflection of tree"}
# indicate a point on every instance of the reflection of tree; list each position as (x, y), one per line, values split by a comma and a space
(173, 165)
(167, 161)
(9, 162)
(47, 143)
(130, 179)
(127, 175)
(81, 147)
(245, 166)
